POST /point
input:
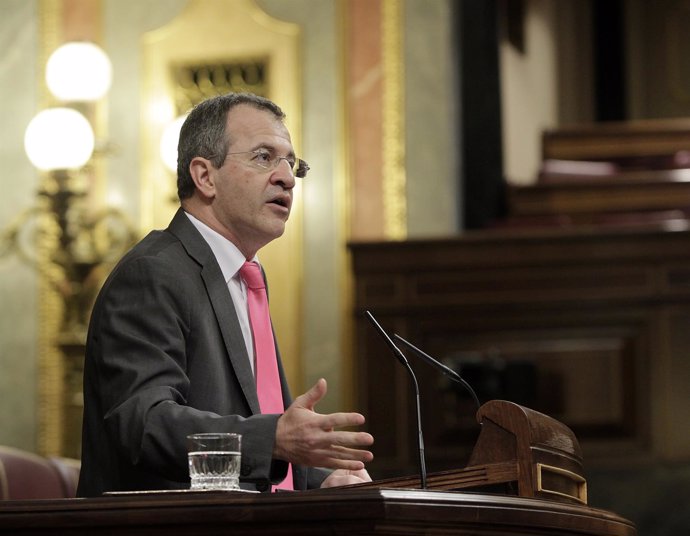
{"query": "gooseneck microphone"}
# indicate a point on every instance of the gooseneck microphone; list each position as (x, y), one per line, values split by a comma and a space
(401, 357)
(440, 366)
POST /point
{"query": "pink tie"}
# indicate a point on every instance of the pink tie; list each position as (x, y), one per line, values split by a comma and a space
(267, 379)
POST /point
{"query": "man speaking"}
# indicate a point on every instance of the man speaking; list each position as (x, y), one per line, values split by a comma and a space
(180, 341)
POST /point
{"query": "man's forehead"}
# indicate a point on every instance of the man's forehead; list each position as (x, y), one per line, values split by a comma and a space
(246, 120)
(251, 128)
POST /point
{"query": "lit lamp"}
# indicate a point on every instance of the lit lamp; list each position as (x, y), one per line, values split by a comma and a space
(79, 72)
(60, 141)
(168, 143)
(70, 241)
(59, 138)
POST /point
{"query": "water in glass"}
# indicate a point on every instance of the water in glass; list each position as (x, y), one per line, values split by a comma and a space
(214, 470)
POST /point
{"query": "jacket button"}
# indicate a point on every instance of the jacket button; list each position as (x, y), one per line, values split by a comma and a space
(263, 486)
(245, 470)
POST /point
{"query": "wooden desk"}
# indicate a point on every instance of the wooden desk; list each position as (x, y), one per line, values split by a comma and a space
(342, 511)
(638, 197)
(618, 141)
(609, 173)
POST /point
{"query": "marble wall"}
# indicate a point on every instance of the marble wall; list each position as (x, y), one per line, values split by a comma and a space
(18, 282)
(432, 114)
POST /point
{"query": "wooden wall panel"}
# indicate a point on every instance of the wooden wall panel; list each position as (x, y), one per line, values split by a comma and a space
(573, 324)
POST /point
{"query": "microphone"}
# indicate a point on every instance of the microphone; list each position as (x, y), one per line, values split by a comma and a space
(440, 366)
(401, 357)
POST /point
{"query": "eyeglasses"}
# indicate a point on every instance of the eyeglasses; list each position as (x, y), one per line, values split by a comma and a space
(267, 160)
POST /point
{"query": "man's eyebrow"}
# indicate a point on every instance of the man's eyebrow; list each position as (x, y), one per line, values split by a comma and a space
(271, 149)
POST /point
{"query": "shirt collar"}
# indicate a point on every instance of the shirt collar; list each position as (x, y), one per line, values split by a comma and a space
(229, 257)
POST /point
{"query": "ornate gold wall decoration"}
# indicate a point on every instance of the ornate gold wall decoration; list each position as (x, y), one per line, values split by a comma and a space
(50, 365)
(241, 48)
(71, 238)
(195, 82)
(394, 177)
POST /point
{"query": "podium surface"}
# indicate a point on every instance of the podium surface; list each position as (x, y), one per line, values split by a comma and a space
(338, 511)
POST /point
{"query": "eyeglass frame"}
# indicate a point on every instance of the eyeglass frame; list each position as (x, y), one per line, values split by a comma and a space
(299, 168)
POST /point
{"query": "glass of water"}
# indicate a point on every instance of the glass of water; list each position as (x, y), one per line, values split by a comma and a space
(214, 460)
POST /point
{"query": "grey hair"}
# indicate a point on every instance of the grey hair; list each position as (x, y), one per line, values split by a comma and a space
(203, 133)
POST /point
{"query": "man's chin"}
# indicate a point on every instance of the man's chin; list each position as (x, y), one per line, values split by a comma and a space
(277, 231)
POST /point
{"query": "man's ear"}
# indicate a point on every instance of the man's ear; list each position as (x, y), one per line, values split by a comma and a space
(203, 175)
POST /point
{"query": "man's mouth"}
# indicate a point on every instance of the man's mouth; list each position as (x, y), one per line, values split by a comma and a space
(281, 201)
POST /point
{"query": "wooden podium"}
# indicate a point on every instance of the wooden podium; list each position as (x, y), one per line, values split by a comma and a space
(530, 462)
(519, 452)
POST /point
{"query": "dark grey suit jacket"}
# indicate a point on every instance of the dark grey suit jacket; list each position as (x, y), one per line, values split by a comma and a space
(165, 358)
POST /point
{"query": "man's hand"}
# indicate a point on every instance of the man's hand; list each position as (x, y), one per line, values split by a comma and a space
(345, 478)
(308, 438)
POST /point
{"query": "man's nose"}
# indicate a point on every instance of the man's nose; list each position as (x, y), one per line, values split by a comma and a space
(284, 174)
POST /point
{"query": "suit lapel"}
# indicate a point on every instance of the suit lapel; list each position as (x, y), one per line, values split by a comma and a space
(222, 304)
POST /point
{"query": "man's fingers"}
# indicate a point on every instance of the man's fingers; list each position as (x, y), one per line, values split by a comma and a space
(312, 396)
(345, 453)
(341, 420)
(309, 438)
(351, 439)
(349, 465)
(326, 457)
(345, 478)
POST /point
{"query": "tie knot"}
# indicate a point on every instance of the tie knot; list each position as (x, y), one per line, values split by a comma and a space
(251, 274)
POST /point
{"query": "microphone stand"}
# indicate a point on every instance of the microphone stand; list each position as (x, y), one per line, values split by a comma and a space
(401, 357)
(449, 372)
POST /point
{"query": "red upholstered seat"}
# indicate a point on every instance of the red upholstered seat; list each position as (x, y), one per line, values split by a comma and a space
(24, 475)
